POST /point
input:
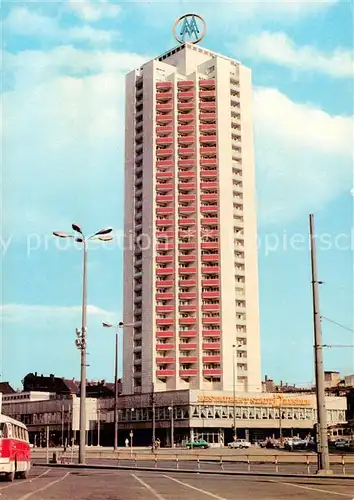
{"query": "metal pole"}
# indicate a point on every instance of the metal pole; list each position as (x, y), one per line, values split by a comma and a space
(62, 426)
(234, 387)
(172, 427)
(116, 395)
(82, 441)
(98, 427)
(280, 422)
(153, 416)
(322, 446)
(47, 443)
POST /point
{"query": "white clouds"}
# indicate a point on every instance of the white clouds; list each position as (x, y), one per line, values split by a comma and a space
(304, 156)
(24, 22)
(26, 313)
(279, 49)
(92, 11)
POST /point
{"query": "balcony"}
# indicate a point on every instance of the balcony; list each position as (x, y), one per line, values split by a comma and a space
(207, 84)
(186, 258)
(165, 309)
(186, 174)
(212, 359)
(164, 118)
(214, 346)
(186, 186)
(187, 295)
(185, 94)
(211, 333)
(187, 270)
(185, 129)
(212, 320)
(164, 283)
(164, 222)
(188, 308)
(209, 197)
(207, 221)
(187, 210)
(209, 295)
(206, 139)
(165, 334)
(208, 162)
(186, 139)
(163, 96)
(164, 198)
(164, 186)
(164, 258)
(213, 257)
(164, 210)
(164, 130)
(204, 94)
(162, 360)
(164, 140)
(164, 152)
(208, 174)
(187, 162)
(210, 269)
(190, 245)
(186, 117)
(187, 321)
(164, 246)
(209, 185)
(208, 151)
(188, 359)
(164, 296)
(212, 372)
(185, 84)
(164, 107)
(186, 151)
(165, 373)
(187, 222)
(163, 85)
(187, 283)
(164, 175)
(209, 209)
(187, 346)
(211, 282)
(203, 106)
(187, 197)
(185, 106)
(164, 163)
(207, 127)
(164, 271)
(187, 333)
(190, 372)
(207, 117)
(165, 347)
(210, 308)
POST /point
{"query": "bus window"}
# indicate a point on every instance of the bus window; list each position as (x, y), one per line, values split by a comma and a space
(4, 430)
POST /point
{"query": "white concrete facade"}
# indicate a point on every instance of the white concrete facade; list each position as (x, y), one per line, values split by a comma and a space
(190, 263)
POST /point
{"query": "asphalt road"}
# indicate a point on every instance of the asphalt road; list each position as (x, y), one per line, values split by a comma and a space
(72, 484)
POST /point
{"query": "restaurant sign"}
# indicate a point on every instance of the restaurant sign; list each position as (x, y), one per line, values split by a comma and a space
(273, 402)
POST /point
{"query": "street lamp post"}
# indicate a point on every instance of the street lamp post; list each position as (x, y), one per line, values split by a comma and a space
(102, 235)
(116, 326)
(234, 385)
(170, 409)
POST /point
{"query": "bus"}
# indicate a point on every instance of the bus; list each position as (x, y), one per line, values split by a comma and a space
(15, 450)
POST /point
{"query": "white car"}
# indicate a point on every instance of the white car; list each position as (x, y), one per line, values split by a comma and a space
(239, 444)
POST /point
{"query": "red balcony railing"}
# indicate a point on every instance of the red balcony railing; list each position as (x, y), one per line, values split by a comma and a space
(165, 373)
(188, 308)
(207, 221)
(210, 245)
(186, 186)
(214, 346)
(162, 360)
(164, 296)
(188, 174)
(210, 307)
(208, 117)
(206, 83)
(187, 333)
(187, 283)
(164, 198)
(206, 150)
(207, 127)
(208, 174)
(164, 246)
(187, 346)
(185, 94)
(164, 152)
(186, 139)
(164, 283)
(191, 221)
(185, 129)
(206, 139)
(212, 320)
(185, 105)
(209, 185)
(188, 359)
(165, 309)
(187, 321)
(211, 333)
(187, 197)
(165, 347)
(187, 270)
(187, 210)
(209, 295)
(165, 334)
(187, 258)
(164, 271)
(207, 93)
(209, 197)
(164, 118)
(185, 84)
(208, 162)
(163, 85)
(187, 246)
(165, 96)
(164, 210)
(210, 257)
(164, 222)
(187, 117)
(164, 107)
(164, 175)
(164, 258)
(164, 234)
(163, 130)
(187, 162)
(212, 372)
(186, 151)
(164, 140)
(204, 106)
(212, 359)
(164, 186)
(210, 209)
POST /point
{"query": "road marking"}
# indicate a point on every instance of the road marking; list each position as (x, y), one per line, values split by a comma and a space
(28, 495)
(347, 495)
(30, 480)
(148, 487)
(197, 489)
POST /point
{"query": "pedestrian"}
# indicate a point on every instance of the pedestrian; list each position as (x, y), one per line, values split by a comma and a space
(126, 442)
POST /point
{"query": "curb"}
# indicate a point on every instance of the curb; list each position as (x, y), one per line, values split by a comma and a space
(188, 471)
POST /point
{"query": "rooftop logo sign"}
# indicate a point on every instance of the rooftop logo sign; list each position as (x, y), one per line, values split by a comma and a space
(189, 28)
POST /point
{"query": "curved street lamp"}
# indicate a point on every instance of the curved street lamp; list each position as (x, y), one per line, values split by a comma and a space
(102, 235)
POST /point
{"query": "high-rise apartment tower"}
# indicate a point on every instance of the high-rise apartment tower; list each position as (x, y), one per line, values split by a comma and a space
(190, 262)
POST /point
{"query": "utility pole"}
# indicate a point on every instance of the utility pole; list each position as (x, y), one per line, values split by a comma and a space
(153, 416)
(116, 395)
(234, 388)
(323, 465)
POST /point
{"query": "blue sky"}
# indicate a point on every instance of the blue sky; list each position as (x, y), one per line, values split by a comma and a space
(63, 128)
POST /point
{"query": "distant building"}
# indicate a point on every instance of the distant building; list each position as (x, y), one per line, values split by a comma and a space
(349, 380)
(332, 379)
(5, 388)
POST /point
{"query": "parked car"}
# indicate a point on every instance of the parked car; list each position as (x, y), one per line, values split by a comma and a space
(341, 444)
(201, 443)
(239, 444)
(295, 443)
